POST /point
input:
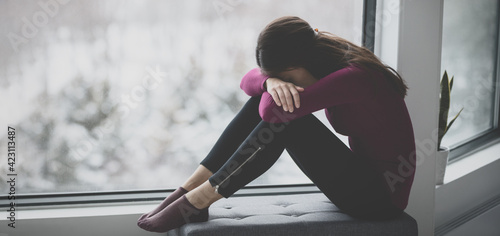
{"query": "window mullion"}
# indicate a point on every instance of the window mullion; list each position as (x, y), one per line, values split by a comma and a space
(496, 83)
(369, 20)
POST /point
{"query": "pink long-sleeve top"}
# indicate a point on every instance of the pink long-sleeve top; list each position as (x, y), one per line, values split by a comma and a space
(361, 104)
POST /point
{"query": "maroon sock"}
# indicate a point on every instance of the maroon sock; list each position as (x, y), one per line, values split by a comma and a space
(174, 216)
(169, 199)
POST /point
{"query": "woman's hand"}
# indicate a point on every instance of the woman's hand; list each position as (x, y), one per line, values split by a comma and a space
(284, 94)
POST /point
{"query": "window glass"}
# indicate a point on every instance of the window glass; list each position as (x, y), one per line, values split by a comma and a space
(129, 95)
(469, 53)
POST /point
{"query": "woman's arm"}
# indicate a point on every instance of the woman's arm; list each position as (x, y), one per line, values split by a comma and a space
(285, 94)
(347, 85)
(253, 82)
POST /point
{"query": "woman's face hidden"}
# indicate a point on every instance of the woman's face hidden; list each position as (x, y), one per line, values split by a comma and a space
(298, 76)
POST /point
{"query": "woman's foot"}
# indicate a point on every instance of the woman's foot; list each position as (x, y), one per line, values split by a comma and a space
(167, 201)
(175, 215)
(203, 196)
(191, 207)
(200, 175)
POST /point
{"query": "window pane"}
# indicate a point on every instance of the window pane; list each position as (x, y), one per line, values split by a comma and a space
(113, 95)
(469, 53)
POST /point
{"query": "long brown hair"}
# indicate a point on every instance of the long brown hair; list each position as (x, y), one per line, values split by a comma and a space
(289, 42)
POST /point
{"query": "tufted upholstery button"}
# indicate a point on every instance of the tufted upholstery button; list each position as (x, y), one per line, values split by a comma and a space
(284, 205)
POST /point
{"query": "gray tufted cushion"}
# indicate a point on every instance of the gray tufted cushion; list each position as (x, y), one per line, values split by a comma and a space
(305, 214)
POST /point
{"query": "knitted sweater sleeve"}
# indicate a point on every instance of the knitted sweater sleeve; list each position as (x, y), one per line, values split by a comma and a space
(253, 82)
(347, 85)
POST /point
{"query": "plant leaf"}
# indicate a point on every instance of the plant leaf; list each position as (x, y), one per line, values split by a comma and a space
(451, 83)
(444, 106)
(453, 120)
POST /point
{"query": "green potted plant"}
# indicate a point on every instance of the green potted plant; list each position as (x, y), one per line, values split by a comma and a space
(444, 126)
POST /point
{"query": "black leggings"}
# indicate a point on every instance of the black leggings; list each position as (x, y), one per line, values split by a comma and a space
(248, 147)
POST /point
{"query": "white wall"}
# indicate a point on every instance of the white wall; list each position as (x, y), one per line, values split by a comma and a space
(418, 60)
(484, 225)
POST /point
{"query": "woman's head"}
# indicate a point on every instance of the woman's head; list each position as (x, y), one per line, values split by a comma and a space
(283, 44)
(290, 42)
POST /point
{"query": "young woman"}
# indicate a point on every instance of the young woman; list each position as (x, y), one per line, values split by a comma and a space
(302, 71)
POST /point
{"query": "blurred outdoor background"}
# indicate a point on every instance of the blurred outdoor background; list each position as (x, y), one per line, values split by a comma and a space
(130, 95)
(469, 52)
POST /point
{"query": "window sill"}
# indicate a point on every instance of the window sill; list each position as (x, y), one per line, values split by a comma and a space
(472, 162)
(137, 207)
(111, 219)
(468, 183)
